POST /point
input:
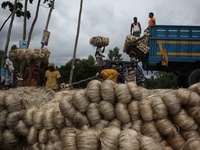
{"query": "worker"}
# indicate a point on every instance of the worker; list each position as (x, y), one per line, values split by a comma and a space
(135, 29)
(32, 74)
(99, 57)
(52, 78)
(9, 72)
(109, 74)
(152, 21)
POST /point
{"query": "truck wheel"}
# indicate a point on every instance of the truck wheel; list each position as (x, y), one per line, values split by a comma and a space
(194, 77)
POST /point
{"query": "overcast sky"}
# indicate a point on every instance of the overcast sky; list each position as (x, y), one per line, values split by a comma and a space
(109, 18)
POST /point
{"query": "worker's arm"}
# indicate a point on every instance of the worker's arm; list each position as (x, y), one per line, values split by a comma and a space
(139, 27)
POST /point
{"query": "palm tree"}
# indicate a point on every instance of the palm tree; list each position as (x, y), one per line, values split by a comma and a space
(33, 24)
(9, 32)
(76, 42)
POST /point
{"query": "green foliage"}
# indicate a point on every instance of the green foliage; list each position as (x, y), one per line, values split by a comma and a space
(19, 6)
(114, 54)
(84, 69)
(161, 80)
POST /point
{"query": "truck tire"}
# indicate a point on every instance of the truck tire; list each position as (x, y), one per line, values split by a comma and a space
(194, 77)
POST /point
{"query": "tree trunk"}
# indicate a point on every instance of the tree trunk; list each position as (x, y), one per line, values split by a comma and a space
(33, 24)
(49, 16)
(76, 42)
(6, 21)
(25, 16)
(9, 33)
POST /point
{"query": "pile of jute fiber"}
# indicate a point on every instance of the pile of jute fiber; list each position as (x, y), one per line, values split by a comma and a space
(30, 54)
(141, 43)
(105, 116)
(99, 41)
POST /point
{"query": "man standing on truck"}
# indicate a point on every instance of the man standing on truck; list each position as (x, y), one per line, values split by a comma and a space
(135, 28)
(152, 21)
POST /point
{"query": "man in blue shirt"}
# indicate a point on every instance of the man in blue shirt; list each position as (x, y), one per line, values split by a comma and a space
(3, 76)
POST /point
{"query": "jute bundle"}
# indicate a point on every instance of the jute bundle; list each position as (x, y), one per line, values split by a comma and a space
(190, 134)
(126, 125)
(21, 128)
(80, 101)
(115, 123)
(166, 127)
(37, 119)
(93, 113)
(108, 91)
(43, 136)
(145, 109)
(188, 97)
(165, 145)
(87, 140)
(101, 125)
(195, 88)
(93, 91)
(29, 54)
(122, 93)
(176, 141)
(137, 125)
(3, 116)
(53, 135)
(80, 119)
(135, 91)
(172, 102)
(109, 138)
(28, 115)
(144, 48)
(12, 102)
(47, 119)
(66, 107)
(128, 140)
(159, 108)
(58, 118)
(12, 119)
(69, 123)
(194, 111)
(149, 129)
(2, 100)
(133, 109)
(10, 138)
(107, 110)
(121, 113)
(32, 136)
(129, 39)
(148, 143)
(192, 144)
(99, 41)
(68, 138)
(184, 121)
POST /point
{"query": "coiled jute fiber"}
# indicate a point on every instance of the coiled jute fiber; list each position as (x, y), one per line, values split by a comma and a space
(99, 41)
(105, 115)
(29, 54)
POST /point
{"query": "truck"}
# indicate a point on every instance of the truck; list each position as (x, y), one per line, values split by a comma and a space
(170, 48)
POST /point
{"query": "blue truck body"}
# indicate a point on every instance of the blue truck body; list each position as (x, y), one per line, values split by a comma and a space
(180, 43)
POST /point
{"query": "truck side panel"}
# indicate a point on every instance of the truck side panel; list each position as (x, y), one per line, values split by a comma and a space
(182, 43)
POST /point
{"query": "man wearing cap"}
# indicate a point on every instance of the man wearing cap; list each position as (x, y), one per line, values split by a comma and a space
(52, 78)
